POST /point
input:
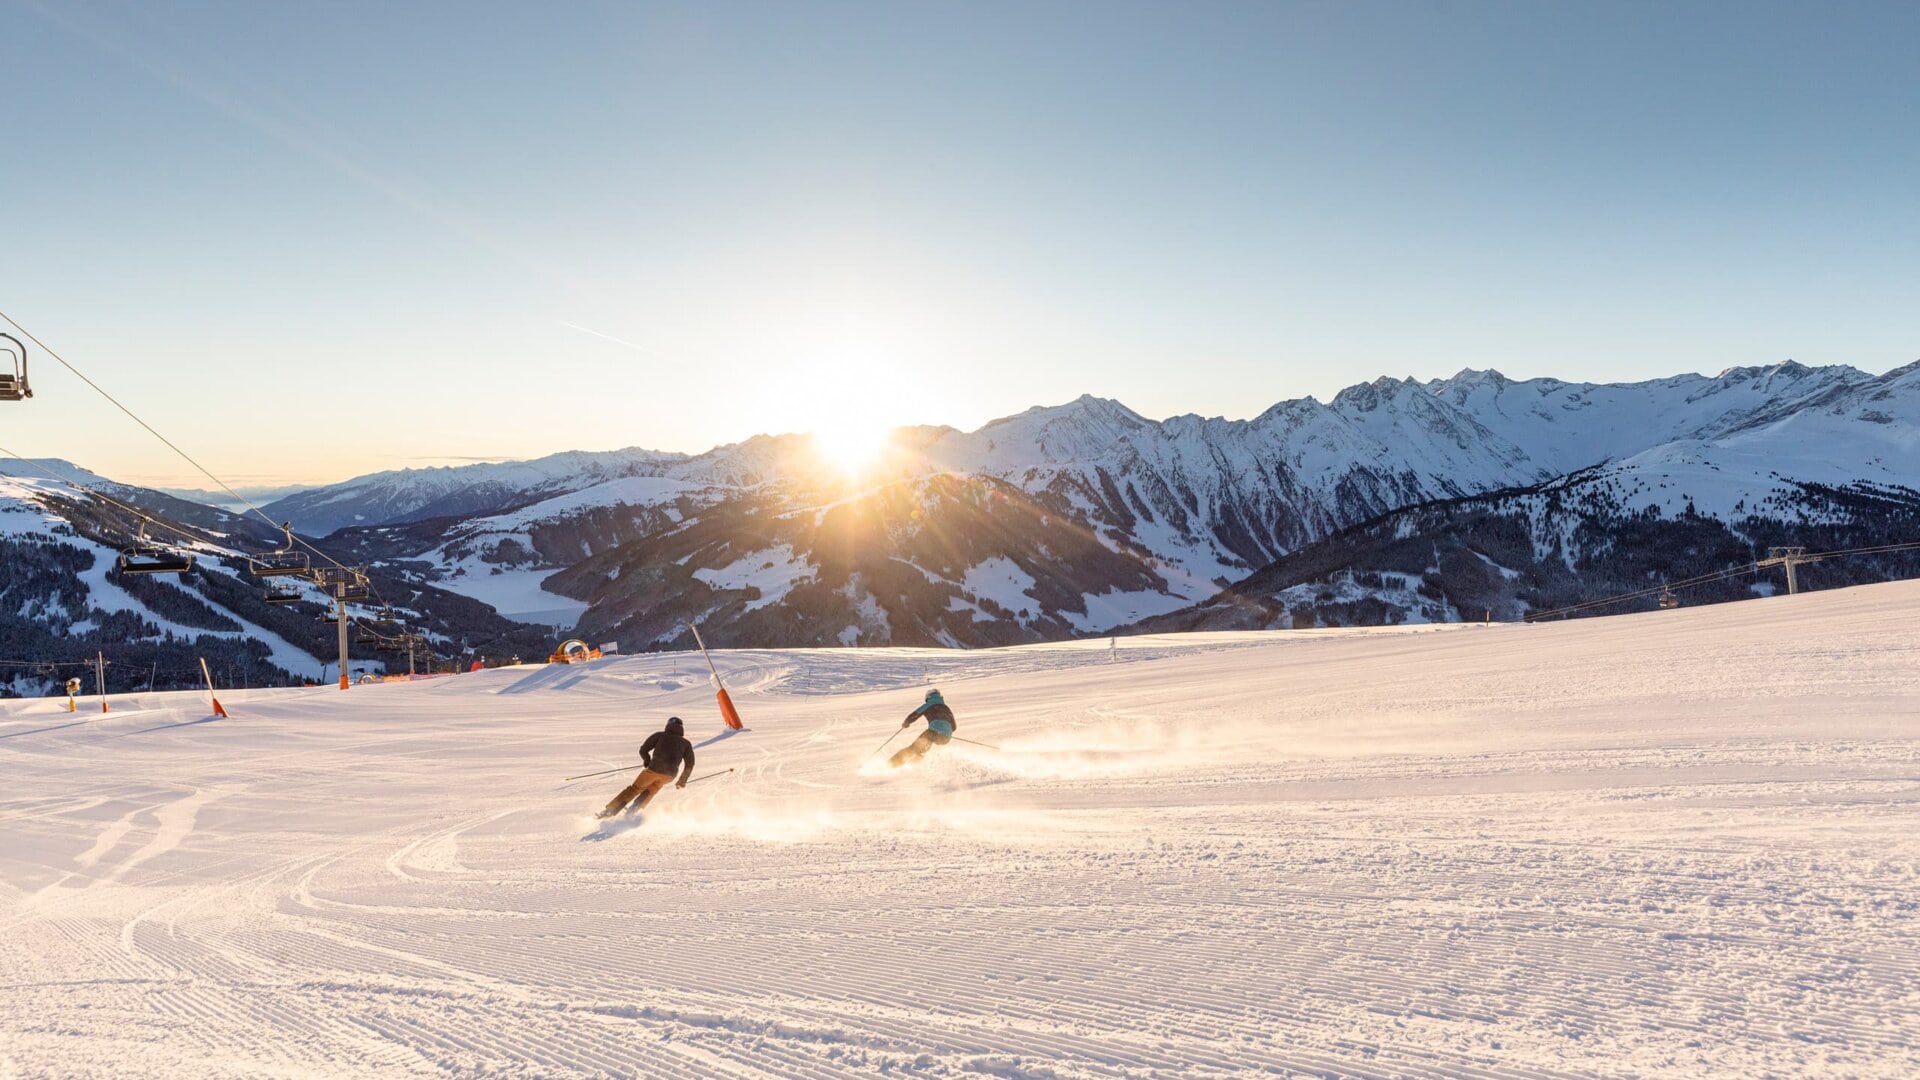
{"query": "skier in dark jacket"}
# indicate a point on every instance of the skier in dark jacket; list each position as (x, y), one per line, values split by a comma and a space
(940, 725)
(664, 753)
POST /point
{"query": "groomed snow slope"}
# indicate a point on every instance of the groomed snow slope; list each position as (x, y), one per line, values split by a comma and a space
(1680, 843)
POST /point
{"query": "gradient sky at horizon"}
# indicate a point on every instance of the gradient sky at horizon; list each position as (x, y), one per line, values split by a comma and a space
(311, 241)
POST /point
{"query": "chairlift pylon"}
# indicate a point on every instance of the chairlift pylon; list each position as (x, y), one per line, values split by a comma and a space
(280, 561)
(145, 557)
(13, 384)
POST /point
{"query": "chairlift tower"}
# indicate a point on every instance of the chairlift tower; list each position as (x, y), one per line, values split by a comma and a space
(1788, 557)
(343, 583)
(340, 617)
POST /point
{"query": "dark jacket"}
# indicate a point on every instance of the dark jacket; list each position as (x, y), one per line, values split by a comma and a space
(668, 751)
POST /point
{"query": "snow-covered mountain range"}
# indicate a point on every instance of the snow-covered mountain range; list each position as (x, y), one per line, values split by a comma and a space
(635, 544)
(404, 495)
(1396, 501)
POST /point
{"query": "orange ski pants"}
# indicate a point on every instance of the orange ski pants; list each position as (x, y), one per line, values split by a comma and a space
(641, 791)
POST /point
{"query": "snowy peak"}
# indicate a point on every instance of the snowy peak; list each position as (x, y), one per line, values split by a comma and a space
(1084, 429)
(1474, 377)
(1381, 392)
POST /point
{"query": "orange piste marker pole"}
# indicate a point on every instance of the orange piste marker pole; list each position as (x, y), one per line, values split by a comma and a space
(217, 710)
(727, 712)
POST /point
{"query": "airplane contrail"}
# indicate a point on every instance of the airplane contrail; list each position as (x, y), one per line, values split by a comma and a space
(610, 337)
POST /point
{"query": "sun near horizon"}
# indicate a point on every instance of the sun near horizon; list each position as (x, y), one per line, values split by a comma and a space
(851, 449)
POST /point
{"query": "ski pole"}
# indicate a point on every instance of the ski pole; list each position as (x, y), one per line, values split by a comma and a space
(975, 742)
(584, 776)
(629, 768)
(890, 738)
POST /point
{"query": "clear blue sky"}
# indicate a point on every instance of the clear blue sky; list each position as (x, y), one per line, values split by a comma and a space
(311, 240)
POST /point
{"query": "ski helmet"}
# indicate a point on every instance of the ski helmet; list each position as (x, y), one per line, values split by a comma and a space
(933, 697)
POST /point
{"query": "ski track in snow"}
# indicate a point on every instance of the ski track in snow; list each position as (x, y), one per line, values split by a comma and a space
(1679, 843)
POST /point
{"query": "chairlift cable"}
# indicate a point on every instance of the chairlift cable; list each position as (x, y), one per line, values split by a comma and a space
(1733, 571)
(208, 473)
(1874, 550)
(1702, 579)
(138, 514)
(97, 388)
(175, 527)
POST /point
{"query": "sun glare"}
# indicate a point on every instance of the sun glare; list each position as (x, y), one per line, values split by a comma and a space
(848, 386)
(851, 448)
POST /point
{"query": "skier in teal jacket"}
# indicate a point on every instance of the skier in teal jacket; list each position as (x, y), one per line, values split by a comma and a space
(940, 725)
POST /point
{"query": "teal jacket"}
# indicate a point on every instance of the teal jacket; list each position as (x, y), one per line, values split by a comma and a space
(939, 717)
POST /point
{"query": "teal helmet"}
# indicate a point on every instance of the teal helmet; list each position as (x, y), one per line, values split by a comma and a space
(934, 698)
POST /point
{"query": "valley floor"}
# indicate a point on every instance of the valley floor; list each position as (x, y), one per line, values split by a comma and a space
(1679, 843)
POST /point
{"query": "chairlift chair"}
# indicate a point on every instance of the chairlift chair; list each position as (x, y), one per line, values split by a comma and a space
(145, 557)
(1667, 598)
(278, 593)
(342, 582)
(281, 561)
(13, 384)
(384, 631)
